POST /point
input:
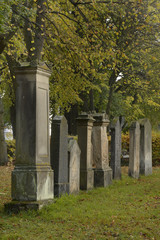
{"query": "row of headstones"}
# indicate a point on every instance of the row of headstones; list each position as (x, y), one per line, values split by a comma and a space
(36, 179)
(140, 151)
(88, 164)
(140, 148)
(88, 159)
(33, 179)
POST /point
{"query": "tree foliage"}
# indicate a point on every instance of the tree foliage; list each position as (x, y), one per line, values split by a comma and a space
(111, 45)
(107, 51)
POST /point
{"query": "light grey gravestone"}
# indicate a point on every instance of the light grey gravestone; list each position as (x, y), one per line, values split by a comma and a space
(84, 130)
(32, 177)
(102, 171)
(145, 147)
(134, 150)
(115, 162)
(59, 155)
(74, 166)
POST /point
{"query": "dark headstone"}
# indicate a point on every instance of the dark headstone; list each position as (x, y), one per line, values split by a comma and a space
(115, 162)
(59, 155)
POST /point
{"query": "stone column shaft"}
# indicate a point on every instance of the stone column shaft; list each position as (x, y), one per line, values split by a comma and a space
(74, 165)
(59, 155)
(134, 150)
(102, 171)
(116, 148)
(145, 147)
(84, 130)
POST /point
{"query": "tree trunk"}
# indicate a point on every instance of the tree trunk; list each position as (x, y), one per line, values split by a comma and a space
(91, 98)
(71, 119)
(112, 81)
(39, 31)
(13, 119)
(12, 63)
(3, 145)
(85, 107)
(109, 101)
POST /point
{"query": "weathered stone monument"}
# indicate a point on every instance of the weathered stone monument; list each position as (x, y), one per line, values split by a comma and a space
(32, 177)
(84, 130)
(134, 150)
(74, 165)
(59, 155)
(115, 162)
(102, 171)
(145, 147)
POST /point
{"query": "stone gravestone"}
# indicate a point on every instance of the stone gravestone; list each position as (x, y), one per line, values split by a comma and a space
(102, 171)
(134, 150)
(84, 130)
(74, 166)
(59, 155)
(115, 162)
(32, 177)
(145, 147)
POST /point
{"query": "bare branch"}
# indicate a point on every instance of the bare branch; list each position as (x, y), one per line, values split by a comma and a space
(59, 13)
(80, 11)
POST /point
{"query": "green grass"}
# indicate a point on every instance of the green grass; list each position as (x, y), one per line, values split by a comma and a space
(128, 209)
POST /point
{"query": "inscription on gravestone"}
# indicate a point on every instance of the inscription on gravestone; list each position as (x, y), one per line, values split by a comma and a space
(42, 132)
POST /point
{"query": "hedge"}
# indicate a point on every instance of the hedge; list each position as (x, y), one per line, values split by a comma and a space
(125, 148)
(155, 148)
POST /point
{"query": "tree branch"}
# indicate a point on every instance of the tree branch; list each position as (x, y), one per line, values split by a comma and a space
(79, 10)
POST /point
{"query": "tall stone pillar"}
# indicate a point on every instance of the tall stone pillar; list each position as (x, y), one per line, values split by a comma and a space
(116, 148)
(134, 150)
(32, 177)
(145, 147)
(102, 171)
(74, 165)
(59, 155)
(84, 130)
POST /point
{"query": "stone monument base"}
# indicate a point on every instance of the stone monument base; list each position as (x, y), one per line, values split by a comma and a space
(16, 206)
(117, 173)
(133, 174)
(32, 183)
(146, 171)
(102, 178)
(86, 179)
(61, 189)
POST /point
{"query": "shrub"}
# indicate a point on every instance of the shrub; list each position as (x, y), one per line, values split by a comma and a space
(156, 148)
(125, 143)
(11, 149)
(125, 149)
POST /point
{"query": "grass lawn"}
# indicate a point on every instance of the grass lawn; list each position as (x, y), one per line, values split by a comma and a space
(128, 209)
